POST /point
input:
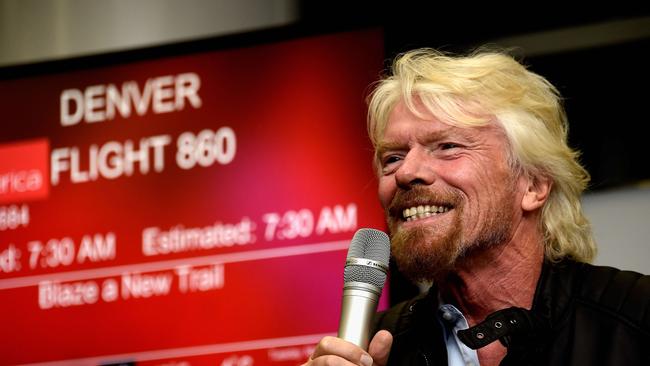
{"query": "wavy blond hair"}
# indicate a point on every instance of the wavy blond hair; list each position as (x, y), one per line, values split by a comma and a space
(487, 86)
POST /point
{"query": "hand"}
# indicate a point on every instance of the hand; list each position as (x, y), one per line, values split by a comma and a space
(335, 351)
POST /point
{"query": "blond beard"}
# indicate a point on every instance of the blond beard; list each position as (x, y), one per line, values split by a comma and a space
(421, 259)
(423, 254)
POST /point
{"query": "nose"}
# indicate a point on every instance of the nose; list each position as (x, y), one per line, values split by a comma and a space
(415, 169)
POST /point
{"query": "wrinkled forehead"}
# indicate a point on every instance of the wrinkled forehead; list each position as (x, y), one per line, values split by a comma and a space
(454, 114)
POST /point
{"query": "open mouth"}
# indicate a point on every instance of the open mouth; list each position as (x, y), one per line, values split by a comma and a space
(423, 211)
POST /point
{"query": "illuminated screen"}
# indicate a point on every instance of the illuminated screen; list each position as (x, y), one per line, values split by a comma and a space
(188, 209)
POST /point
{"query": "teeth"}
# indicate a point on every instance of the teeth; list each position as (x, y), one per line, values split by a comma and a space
(420, 212)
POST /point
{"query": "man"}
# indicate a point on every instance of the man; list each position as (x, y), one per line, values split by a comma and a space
(482, 198)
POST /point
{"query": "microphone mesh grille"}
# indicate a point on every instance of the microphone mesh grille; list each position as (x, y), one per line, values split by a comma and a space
(368, 244)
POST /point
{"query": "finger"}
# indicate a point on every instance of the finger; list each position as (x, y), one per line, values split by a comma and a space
(344, 349)
(330, 360)
(379, 347)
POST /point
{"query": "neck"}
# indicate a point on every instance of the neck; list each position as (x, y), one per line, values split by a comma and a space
(496, 278)
(493, 279)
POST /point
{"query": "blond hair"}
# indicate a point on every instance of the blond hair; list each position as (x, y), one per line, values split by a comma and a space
(490, 86)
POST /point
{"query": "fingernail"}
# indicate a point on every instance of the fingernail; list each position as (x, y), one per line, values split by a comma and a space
(366, 360)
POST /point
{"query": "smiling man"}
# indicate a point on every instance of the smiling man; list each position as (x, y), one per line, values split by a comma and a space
(482, 198)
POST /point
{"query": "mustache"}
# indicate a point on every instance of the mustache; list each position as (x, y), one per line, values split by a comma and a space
(420, 196)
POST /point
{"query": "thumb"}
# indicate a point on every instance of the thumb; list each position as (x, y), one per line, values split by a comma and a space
(379, 348)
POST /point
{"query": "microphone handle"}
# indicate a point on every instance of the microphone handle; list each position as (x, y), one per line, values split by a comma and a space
(359, 305)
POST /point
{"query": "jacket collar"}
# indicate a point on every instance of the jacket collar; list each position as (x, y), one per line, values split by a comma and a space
(516, 326)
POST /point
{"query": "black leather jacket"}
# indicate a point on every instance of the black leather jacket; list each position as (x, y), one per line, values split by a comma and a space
(581, 315)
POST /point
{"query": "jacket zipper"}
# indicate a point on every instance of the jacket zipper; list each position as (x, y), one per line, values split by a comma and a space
(426, 359)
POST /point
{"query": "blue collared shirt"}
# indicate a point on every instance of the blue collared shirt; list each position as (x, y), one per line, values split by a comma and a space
(452, 320)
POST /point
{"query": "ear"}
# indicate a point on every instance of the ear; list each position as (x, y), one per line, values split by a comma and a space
(537, 190)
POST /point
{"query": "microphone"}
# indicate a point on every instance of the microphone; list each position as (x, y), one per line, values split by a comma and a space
(365, 272)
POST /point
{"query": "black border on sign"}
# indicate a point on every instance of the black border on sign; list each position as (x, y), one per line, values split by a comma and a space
(181, 48)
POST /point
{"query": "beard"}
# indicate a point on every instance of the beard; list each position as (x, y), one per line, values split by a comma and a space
(425, 253)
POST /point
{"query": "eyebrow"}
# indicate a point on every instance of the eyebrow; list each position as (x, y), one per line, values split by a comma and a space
(437, 135)
(387, 146)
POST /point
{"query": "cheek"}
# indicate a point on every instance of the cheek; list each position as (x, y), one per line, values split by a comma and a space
(458, 174)
(386, 190)
(482, 186)
(475, 175)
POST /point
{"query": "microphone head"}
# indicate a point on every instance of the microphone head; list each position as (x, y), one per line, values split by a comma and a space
(368, 244)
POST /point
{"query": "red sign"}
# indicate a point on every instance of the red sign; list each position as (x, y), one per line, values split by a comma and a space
(192, 209)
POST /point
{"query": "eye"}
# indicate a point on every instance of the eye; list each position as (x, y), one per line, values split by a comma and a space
(448, 145)
(390, 160)
(390, 163)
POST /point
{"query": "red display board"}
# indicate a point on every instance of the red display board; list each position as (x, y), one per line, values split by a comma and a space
(185, 210)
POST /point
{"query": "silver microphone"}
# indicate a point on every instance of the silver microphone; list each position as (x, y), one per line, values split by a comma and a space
(366, 268)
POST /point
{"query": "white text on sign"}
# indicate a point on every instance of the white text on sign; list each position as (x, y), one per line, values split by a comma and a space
(99, 103)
